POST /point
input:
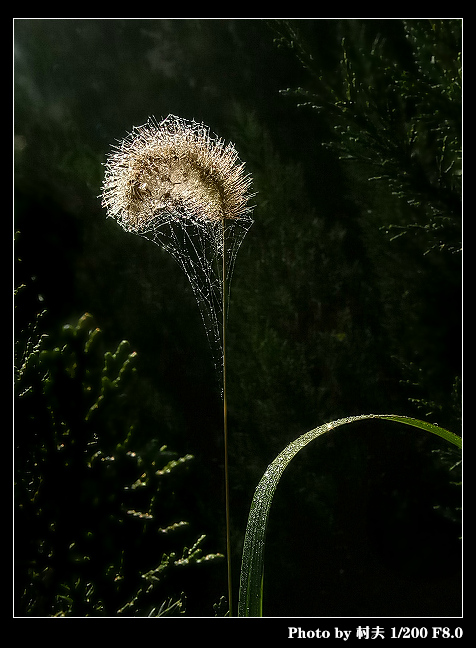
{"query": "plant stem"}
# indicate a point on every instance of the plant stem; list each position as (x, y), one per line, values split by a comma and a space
(225, 429)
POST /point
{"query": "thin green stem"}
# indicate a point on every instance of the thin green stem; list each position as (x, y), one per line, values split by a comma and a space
(225, 429)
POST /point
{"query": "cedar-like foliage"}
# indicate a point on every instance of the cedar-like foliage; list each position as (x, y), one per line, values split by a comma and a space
(97, 533)
(395, 109)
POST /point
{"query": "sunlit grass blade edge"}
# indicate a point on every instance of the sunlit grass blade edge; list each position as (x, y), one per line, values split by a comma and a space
(424, 425)
(252, 568)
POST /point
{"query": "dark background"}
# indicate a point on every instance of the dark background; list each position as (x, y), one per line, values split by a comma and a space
(329, 315)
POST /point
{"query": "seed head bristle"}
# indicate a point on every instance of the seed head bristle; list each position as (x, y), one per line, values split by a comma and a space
(177, 169)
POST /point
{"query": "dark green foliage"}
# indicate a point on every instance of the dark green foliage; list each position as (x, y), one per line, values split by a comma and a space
(380, 311)
(395, 108)
(97, 528)
(332, 312)
(390, 94)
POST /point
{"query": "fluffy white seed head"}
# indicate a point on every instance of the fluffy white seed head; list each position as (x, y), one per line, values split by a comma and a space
(177, 169)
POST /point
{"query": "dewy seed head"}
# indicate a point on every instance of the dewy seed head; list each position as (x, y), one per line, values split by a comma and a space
(174, 168)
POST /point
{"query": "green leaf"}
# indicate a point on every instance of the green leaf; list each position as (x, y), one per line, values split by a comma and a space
(252, 568)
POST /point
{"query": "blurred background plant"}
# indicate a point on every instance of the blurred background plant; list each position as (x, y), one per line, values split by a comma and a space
(97, 528)
(346, 296)
(396, 112)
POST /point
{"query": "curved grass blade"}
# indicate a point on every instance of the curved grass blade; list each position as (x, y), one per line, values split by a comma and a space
(252, 568)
